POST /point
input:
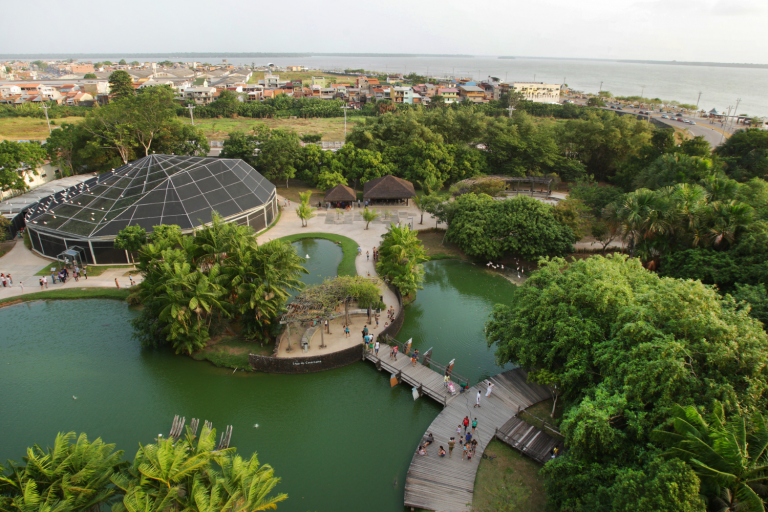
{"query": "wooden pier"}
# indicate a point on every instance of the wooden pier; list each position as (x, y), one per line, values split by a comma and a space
(528, 440)
(447, 484)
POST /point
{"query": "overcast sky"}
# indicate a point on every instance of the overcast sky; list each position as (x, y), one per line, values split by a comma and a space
(696, 30)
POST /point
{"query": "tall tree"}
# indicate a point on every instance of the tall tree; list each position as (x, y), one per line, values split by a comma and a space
(152, 111)
(278, 155)
(121, 85)
(401, 257)
(18, 161)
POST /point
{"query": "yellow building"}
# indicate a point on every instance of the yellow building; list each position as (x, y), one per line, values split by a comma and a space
(538, 91)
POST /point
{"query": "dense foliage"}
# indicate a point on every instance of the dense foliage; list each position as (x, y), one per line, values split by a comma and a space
(19, 161)
(188, 474)
(129, 127)
(195, 284)
(485, 228)
(745, 154)
(401, 255)
(624, 347)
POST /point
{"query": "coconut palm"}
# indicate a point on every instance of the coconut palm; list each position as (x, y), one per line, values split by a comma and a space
(730, 457)
(400, 256)
(66, 477)
(369, 216)
(304, 210)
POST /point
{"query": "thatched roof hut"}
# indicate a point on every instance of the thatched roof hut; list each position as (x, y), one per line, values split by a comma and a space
(387, 188)
(340, 193)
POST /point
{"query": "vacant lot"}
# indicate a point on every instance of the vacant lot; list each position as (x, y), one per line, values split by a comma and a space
(331, 128)
(28, 128)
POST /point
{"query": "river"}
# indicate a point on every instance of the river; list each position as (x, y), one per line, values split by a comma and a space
(340, 440)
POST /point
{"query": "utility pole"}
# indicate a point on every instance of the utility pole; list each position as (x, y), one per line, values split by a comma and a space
(697, 101)
(192, 117)
(736, 110)
(722, 134)
(345, 107)
(642, 91)
(601, 88)
(45, 107)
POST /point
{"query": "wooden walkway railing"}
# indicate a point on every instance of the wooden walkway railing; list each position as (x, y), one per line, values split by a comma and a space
(528, 440)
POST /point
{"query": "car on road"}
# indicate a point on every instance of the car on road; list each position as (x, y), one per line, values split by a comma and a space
(665, 116)
(692, 122)
(619, 108)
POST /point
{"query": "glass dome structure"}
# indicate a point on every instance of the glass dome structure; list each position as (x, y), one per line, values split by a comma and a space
(151, 191)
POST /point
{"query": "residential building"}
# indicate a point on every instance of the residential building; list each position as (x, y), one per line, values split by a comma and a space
(320, 81)
(450, 94)
(81, 68)
(538, 91)
(200, 95)
(472, 93)
(9, 90)
(401, 95)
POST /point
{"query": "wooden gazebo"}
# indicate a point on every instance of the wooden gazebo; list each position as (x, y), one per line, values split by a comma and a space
(340, 193)
(388, 188)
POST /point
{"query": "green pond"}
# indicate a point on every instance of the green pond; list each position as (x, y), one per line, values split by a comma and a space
(340, 440)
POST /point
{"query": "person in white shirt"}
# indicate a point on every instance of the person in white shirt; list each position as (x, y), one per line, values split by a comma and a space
(45, 281)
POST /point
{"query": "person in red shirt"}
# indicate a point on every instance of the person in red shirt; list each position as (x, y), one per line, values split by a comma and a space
(466, 423)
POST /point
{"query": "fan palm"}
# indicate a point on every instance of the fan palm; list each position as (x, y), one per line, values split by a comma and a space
(725, 220)
(731, 458)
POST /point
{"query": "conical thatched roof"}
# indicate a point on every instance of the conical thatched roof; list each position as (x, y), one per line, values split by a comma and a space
(340, 193)
(388, 187)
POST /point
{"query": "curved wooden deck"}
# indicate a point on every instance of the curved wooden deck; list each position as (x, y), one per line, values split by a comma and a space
(447, 484)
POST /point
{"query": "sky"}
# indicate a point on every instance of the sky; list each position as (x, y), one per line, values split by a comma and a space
(683, 30)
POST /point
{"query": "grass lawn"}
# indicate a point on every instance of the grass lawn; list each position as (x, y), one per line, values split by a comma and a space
(348, 248)
(30, 128)
(431, 239)
(510, 482)
(332, 128)
(6, 246)
(71, 293)
(232, 352)
(93, 270)
(296, 187)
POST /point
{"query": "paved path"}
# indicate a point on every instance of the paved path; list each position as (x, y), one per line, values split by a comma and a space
(23, 264)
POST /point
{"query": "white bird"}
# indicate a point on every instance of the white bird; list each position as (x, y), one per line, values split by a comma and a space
(518, 275)
(502, 267)
(307, 256)
(256, 425)
(74, 397)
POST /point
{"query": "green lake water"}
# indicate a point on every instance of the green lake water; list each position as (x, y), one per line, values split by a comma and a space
(338, 439)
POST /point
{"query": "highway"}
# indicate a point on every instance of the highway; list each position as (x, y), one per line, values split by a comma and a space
(702, 126)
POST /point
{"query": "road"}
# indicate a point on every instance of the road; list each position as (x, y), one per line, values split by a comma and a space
(702, 126)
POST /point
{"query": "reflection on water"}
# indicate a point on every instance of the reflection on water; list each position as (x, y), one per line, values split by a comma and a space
(337, 439)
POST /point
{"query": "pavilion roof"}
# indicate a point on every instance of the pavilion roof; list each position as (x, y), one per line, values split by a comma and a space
(388, 187)
(340, 193)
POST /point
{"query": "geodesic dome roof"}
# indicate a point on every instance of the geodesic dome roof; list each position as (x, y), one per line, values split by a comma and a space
(154, 190)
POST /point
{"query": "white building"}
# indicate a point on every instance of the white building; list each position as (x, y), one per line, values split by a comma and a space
(537, 91)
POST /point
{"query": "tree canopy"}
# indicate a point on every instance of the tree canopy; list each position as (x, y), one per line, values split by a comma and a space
(19, 161)
(627, 347)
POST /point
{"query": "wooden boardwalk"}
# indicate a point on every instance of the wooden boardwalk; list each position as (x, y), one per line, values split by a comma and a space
(528, 440)
(447, 484)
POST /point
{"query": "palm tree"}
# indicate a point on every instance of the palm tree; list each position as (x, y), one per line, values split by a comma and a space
(725, 220)
(401, 255)
(731, 458)
(304, 212)
(369, 216)
(67, 477)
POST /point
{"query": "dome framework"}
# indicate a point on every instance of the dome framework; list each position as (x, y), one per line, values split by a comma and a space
(151, 191)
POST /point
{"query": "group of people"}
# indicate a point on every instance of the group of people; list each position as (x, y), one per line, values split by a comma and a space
(467, 444)
(6, 279)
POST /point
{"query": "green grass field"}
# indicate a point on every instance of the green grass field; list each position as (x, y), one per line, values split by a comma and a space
(509, 482)
(348, 248)
(232, 352)
(331, 128)
(70, 293)
(29, 128)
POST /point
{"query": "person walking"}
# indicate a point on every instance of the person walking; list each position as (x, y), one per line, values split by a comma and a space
(489, 390)
(468, 438)
(45, 281)
(327, 327)
(346, 331)
(466, 423)
(376, 348)
(2, 279)
(464, 450)
(474, 425)
(458, 430)
(477, 400)
(451, 444)
(21, 284)
(377, 321)
(41, 283)
(10, 279)
(446, 380)
(391, 352)
(396, 348)
(85, 273)
(367, 256)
